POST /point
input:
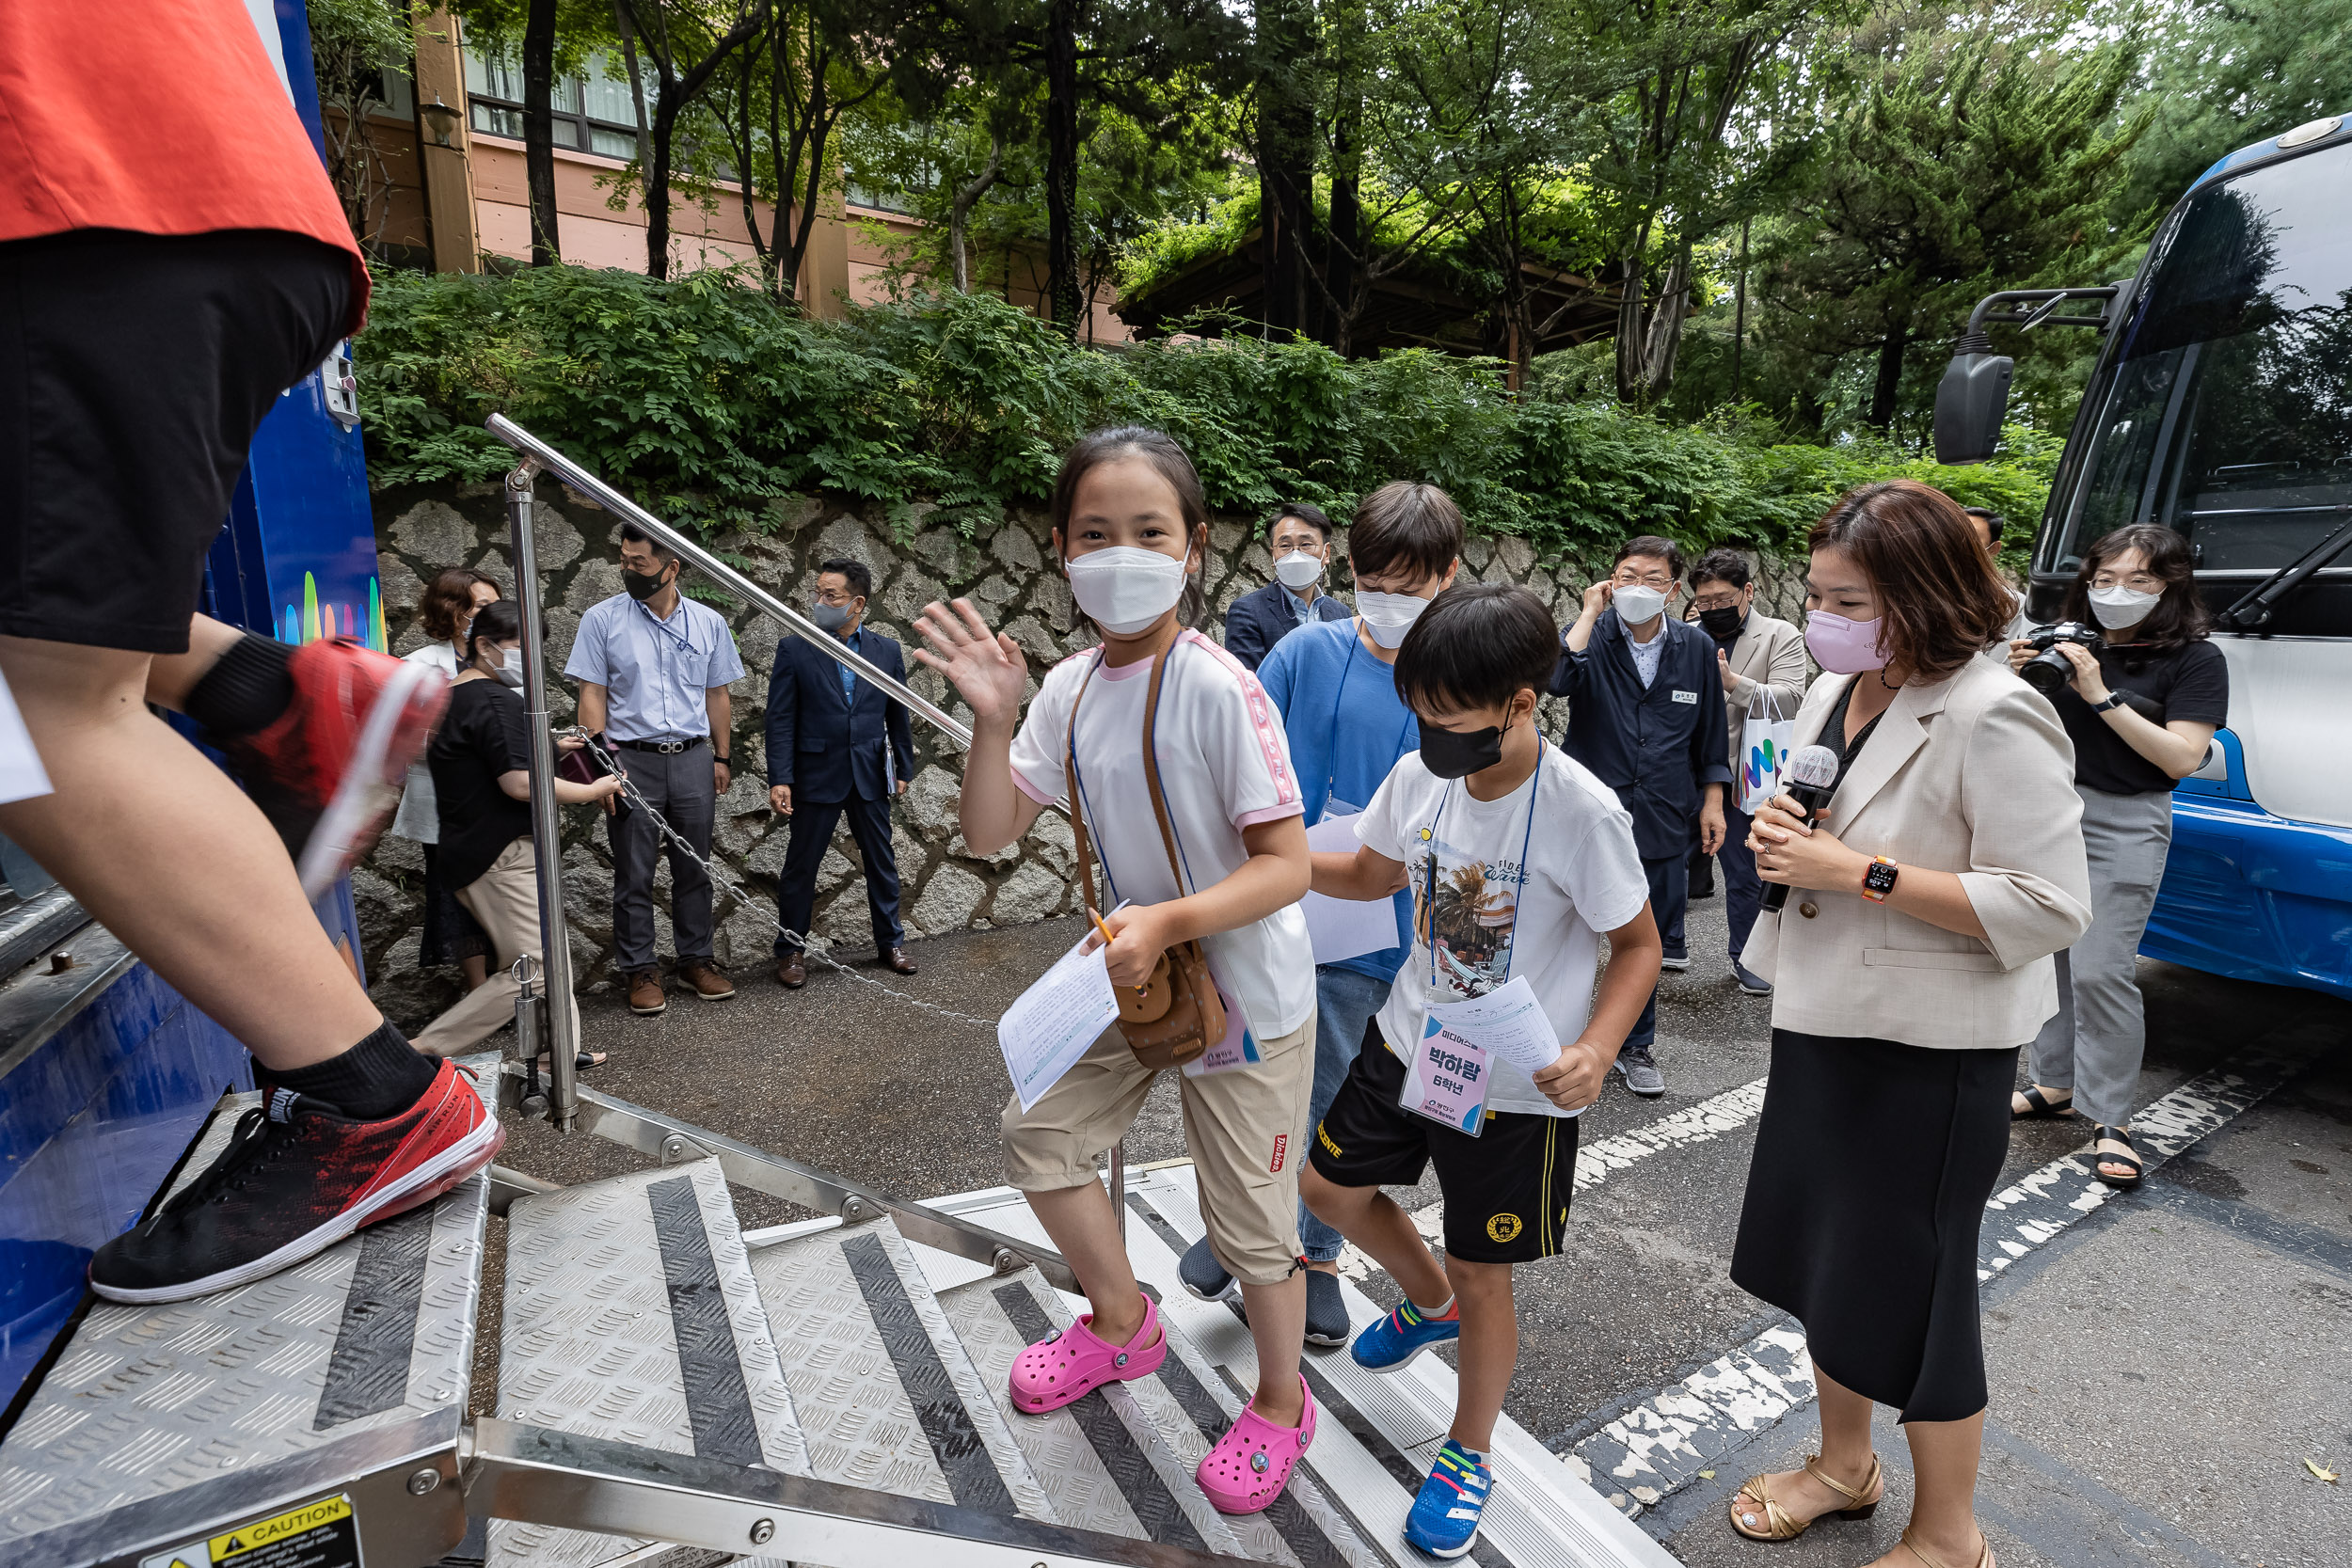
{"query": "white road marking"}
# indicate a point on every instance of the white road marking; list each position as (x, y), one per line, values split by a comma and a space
(1595, 1161)
(1660, 1445)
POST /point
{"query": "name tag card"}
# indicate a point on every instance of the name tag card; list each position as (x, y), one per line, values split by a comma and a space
(1691, 697)
(1446, 1081)
(1239, 1048)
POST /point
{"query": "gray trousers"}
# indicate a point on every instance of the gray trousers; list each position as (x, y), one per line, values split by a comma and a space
(681, 788)
(2093, 1046)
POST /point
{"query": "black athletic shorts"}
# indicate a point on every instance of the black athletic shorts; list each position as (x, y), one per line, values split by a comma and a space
(1506, 1191)
(133, 372)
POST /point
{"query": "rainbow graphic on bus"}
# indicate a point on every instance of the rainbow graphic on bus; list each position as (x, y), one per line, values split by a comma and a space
(312, 620)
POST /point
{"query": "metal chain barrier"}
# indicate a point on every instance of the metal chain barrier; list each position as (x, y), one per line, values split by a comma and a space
(814, 946)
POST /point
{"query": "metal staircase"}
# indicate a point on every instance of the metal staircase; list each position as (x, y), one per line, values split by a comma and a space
(669, 1389)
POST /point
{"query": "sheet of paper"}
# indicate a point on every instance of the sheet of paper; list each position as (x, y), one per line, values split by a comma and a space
(22, 776)
(1052, 1023)
(1345, 927)
(1507, 1023)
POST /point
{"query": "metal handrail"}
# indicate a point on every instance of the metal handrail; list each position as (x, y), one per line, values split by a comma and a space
(588, 485)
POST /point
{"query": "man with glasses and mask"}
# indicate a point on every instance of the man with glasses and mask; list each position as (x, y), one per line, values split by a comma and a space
(1646, 716)
(837, 745)
(1299, 538)
(653, 668)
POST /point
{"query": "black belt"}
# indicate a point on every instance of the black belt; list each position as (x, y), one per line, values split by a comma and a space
(665, 748)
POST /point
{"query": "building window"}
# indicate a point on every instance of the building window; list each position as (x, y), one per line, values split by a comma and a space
(590, 113)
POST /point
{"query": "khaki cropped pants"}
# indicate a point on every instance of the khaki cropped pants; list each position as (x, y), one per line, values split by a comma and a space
(505, 900)
(1246, 1127)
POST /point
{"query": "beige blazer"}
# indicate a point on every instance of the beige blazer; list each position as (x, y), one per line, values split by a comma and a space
(1973, 775)
(1767, 659)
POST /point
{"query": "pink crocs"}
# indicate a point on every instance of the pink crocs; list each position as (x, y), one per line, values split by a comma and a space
(1251, 1464)
(1066, 1364)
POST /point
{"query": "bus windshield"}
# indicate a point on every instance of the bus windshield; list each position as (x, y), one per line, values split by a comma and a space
(2227, 409)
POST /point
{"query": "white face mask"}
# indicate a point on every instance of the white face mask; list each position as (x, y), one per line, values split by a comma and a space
(511, 671)
(2119, 607)
(1638, 605)
(1298, 570)
(1124, 589)
(1388, 616)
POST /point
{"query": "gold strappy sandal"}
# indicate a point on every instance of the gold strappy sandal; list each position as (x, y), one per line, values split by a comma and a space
(1984, 1547)
(1758, 1515)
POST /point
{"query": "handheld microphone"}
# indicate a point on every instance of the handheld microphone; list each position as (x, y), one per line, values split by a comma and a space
(1809, 779)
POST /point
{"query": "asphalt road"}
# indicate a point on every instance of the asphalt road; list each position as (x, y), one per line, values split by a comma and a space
(2161, 1367)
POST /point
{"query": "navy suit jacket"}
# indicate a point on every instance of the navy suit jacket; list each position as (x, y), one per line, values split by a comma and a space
(1258, 620)
(825, 746)
(1657, 747)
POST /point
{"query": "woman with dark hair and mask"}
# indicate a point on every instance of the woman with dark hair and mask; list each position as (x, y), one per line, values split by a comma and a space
(2141, 713)
(481, 763)
(1910, 965)
(446, 612)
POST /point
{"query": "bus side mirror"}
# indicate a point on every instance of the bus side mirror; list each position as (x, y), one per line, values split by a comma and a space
(1970, 401)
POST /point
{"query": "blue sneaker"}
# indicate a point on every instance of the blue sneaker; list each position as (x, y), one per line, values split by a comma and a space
(1445, 1515)
(1395, 1339)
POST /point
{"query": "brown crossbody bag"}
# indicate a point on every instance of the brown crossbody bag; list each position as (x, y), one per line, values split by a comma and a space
(1177, 1013)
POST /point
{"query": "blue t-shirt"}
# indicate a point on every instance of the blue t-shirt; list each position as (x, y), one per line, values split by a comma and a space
(1348, 728)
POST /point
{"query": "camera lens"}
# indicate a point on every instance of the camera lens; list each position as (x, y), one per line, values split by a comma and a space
(2047, 671)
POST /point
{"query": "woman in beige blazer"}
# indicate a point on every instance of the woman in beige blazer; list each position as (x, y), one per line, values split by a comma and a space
(1911, 963)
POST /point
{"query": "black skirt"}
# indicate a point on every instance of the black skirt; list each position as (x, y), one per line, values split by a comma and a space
(1866, 1198)
(451, 931)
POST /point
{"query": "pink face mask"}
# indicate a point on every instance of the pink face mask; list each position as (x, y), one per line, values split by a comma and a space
(1844, 647)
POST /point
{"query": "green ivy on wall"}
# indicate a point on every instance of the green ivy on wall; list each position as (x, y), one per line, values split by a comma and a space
(714, 406)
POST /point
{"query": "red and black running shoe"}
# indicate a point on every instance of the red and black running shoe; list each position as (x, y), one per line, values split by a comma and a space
(296, 1177)
(328, 773)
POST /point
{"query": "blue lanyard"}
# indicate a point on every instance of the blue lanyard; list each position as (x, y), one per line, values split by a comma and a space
(685, 645)
(1518, 891)
(1331, 773)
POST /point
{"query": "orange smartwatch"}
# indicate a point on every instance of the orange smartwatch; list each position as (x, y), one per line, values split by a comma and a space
(1878, 881)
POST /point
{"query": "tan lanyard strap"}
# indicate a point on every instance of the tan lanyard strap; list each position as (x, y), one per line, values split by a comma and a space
(1077, 805)
(1151, 767)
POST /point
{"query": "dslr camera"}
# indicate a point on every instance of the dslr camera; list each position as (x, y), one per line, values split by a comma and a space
(2048, 670)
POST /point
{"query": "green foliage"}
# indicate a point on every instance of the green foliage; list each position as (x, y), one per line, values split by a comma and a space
(713, 405)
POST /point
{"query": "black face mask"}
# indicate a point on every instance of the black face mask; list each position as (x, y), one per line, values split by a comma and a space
(640, 586)
(1724, 624)
(1458, 753)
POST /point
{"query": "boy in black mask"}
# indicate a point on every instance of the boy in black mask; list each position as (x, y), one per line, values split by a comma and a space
(1505, 913)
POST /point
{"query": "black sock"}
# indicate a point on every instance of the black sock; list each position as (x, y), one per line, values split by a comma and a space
(381, 1076)
(245, 690)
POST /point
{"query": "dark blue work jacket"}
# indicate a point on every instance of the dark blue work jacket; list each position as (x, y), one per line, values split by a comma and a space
(1657, 747)
(831, 747)
(1260, 619)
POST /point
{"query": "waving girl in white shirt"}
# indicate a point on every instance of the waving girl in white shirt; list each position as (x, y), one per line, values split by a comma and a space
(1130, 527)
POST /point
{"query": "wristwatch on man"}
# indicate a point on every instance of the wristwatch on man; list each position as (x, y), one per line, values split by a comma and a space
(2115, 699)
(1878, 879)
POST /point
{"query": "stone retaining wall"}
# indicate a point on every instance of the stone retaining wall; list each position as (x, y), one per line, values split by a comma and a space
(947, 888)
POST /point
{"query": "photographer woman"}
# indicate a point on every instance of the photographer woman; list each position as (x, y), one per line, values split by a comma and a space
(2141, 713)
(1910, 964)
(481, 763)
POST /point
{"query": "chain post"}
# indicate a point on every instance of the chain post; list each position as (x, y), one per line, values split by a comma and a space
(562, 1024)
(1118, 1187)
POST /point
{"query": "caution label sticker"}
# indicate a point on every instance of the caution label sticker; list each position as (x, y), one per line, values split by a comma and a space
(321, 1534)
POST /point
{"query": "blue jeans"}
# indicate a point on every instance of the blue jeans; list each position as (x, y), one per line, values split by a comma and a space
(1743, 890)
(1344, 1002)
(1669, 898)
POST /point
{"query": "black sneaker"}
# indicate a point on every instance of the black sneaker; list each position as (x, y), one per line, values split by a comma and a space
(296, 1177)
(1203, 1276)
(1327, 1309)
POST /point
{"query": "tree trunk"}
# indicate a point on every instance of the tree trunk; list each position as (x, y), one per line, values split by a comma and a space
(636, 77)
(1890, 377)
(539, 128)
(1629, 382)
(1061, 166)
(1662, 346)
(1285, 164)
(959, 214)
(1346, 245)
(658, 185)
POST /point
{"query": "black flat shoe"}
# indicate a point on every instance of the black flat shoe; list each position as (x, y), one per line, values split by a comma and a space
(2128, 1157)
(2039, 1107)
